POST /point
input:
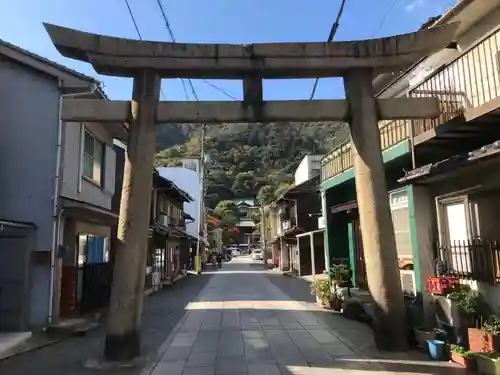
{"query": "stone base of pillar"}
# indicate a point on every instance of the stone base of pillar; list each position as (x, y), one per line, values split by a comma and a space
(122, 347)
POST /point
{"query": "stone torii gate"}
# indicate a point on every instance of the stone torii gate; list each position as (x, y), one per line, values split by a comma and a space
(148, 62)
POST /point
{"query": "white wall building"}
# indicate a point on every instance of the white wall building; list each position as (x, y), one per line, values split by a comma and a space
(308, 168)
(189, 181)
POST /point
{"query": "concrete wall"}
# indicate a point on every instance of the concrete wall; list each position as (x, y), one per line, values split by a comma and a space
(486, 203)
(423, 241)
(308, 168)
(477, 32)
(28, 146)
(74, 186)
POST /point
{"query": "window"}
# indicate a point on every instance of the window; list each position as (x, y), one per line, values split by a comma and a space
(92, 249)
(93, 152)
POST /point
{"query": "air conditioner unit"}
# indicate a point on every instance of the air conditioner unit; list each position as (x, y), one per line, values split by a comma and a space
(408, 281)
(164, 220)
(321, 222)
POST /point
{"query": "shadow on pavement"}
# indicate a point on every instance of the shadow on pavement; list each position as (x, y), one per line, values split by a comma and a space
(162, 311)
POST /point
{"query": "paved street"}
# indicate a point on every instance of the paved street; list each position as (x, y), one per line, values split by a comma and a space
(241, 319)
(250, 321)
(161, 313)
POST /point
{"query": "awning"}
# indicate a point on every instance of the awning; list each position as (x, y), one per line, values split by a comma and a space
(434, 171)
(309, 186)
(82, 210)
(344, 207)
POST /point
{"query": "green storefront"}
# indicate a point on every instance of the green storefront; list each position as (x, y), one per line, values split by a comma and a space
(343, 236)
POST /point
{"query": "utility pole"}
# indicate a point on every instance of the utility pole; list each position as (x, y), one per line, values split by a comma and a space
(263, 232)
(201, 209)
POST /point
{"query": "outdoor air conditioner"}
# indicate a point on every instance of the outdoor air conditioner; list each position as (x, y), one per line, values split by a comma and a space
(164, 220)
(408, 281)
(321, 222)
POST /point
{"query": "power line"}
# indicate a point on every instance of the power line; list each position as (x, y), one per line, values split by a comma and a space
(331, 35)
(133, 19)
(394, 2)
(139, 33)
(168, 25)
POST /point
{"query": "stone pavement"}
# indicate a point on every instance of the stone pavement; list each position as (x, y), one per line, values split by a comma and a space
(244, 322)
(162, 311)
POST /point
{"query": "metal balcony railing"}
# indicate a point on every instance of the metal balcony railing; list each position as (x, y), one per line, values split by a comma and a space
(340, 159)
(476, 259)
(469, 81)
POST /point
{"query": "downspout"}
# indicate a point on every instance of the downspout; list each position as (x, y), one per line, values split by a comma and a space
(56, 212)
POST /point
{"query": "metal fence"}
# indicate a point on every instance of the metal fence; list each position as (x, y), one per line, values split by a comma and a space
(96, 286)
(476, 259)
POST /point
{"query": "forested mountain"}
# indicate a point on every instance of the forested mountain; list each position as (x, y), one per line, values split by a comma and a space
(247, 156)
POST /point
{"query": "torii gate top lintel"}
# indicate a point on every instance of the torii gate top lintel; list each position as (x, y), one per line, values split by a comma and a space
(122, 57)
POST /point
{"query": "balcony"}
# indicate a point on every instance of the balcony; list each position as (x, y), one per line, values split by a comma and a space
(470, 81)
(340, 159)
(289, 224)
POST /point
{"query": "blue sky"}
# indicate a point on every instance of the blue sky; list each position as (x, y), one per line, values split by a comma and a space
(214, 21)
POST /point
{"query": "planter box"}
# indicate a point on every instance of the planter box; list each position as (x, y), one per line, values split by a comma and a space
(487, 366)
(491, 342)
(476, 342)
(469, 363)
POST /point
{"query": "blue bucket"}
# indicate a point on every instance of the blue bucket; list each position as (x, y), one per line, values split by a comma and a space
(436, 350)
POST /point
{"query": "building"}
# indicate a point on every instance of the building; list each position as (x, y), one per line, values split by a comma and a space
(247, 228)
(188, 179)
(426, 215)
(58, 180)
(169, 245)
(309, 167)
(293, 223)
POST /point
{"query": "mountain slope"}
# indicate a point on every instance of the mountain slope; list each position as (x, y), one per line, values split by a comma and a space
(248, 156)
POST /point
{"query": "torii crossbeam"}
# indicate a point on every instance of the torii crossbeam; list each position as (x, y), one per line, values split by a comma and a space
(148, 62)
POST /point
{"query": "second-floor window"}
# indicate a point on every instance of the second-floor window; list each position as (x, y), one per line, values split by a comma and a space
(93, 152)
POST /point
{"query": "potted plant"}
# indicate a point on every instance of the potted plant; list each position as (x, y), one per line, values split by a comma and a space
(491, 334)
(422, 332)
(339, 274)
(463, 357)
(488, 363)
(469, 303)
(321, 289)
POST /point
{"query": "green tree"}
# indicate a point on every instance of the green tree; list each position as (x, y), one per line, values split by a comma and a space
(226, 208)
(244, 184)
(229, 221)
(266, 194)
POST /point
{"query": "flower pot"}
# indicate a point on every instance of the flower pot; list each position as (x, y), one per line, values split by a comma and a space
(491, 342)
(422, 336)
(437, 350)
(476, 343)
(336, 304)
(468, 362)
(487, 365)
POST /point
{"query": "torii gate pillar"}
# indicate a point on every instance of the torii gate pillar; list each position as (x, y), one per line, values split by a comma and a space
(127, 293)
(377, 230)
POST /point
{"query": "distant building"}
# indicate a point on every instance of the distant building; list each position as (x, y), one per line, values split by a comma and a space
(246, 226)
(308, 168)
(187, 178)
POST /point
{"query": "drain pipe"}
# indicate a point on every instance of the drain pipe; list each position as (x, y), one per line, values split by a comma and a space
(56, 213)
